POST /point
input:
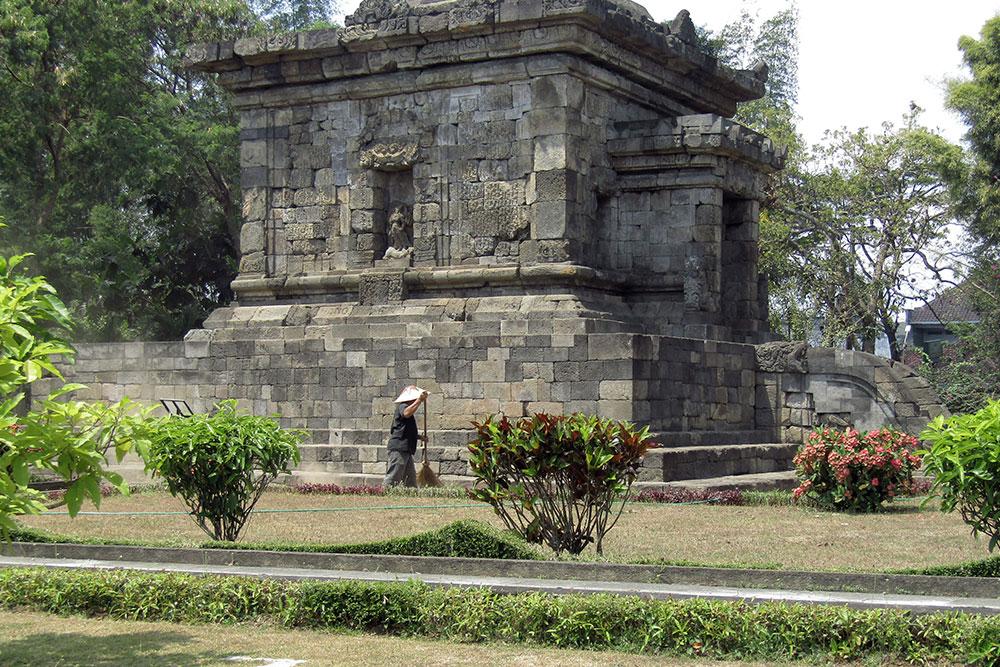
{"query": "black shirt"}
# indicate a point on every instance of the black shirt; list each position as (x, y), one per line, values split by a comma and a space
(403, 433)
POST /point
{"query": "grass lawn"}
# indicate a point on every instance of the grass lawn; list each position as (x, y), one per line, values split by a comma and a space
(30, 638)
(789, 537)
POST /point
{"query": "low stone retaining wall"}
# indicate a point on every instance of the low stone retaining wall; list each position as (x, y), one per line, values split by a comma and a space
(876, 583)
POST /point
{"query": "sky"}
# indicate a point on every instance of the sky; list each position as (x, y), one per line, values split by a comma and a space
(860, 62)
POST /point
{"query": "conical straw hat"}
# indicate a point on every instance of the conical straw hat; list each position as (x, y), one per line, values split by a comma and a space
(410, 393)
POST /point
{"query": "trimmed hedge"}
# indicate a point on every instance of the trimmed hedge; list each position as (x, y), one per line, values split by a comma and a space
(767, 631)
(466, 538)
(988, 567)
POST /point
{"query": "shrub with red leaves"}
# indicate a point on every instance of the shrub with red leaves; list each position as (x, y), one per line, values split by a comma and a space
(669, 495)
(310, 488)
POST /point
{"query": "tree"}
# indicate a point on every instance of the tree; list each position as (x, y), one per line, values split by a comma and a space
(119, 169)
(871, 214)
(968, 374)
(747, 43)
(977, 100)
(280, 15)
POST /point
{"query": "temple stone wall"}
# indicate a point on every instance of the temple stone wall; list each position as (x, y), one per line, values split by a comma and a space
(328, 374)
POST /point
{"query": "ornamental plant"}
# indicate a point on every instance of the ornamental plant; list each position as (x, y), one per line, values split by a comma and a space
(963, 457)
(557, 480)
(848, 470)
(49, 433)
(219, 464)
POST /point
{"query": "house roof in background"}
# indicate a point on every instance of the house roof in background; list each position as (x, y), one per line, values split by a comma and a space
(952, 305)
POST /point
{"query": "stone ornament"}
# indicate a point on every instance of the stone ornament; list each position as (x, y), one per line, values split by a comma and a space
(694, 284)
(386, 157)
(782, 357)
(374, 11)
(381, 288)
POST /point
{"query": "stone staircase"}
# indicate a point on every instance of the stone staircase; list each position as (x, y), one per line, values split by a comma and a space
(707, 461)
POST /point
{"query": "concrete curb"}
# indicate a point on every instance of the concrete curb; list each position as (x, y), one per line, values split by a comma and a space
(869, 583)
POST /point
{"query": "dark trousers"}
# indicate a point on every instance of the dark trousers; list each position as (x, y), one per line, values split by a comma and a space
(400, 470)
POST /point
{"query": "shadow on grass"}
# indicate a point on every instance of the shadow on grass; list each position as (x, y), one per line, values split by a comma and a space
(128, 648)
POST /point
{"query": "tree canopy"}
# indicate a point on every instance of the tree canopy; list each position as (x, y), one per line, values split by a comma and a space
(969, 373)
(869, 219)
(119, 168)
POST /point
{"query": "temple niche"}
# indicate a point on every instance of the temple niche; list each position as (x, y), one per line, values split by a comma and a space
(521, 206)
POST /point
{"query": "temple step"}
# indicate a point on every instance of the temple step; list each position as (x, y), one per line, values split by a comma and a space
(669, 464)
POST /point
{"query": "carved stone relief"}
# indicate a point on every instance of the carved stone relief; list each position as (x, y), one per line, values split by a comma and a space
(389, 157)
(694, 284)
(381, 288)
(782, 357)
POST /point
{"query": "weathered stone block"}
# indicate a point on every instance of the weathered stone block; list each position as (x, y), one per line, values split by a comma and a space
(550, 153)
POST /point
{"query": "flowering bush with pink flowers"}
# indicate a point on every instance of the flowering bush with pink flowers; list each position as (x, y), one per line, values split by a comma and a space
(848, 470)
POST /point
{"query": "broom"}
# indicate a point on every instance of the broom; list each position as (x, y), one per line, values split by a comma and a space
(426, 476)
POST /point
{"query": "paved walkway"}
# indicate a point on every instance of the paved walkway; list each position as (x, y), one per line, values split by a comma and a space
(915, 603)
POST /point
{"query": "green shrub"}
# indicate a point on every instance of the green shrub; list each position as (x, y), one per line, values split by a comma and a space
(555, 480)
(220, 464)
(988, 567)
(714, 629)
(848, 470)
(460, 539)
(69, 440)
(963, 458)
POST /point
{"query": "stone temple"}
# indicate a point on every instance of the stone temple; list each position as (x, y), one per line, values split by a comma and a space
(522, 206)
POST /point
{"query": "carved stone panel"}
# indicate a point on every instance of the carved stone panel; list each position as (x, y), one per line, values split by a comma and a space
(389, 157)
(782, 357)
(379, 288)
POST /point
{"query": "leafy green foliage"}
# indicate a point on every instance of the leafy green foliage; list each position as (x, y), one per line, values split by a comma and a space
(555, 480)
(963, 457)
(714, 629)
(869, 213)
(33, 323)
(286, 15)
(221, 463)
(967, 374)
(848, 470)
(120, 169)
(988, 567)
(70, 439)
(977, 100)
(460, 539)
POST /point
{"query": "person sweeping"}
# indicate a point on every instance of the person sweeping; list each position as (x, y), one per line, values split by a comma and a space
(403, 437)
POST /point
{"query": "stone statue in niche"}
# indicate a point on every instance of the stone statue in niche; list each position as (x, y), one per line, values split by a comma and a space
(400, 234)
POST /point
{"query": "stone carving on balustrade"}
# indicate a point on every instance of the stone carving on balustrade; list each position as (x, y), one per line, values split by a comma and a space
(782, 357)
(694, 284)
